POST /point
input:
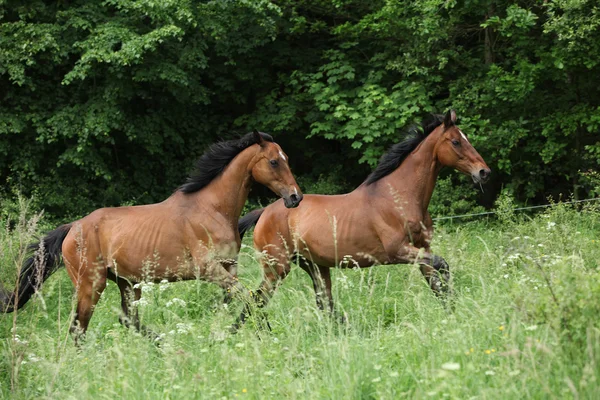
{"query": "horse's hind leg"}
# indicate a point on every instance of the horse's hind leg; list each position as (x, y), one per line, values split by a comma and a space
(321, 278)
(88, 294)
(130, 316)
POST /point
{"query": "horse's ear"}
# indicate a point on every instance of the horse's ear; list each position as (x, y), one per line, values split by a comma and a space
(450, 119)
(258, 138)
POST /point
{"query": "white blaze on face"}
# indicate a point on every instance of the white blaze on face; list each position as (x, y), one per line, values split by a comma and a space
(282, 155)
(463, 136)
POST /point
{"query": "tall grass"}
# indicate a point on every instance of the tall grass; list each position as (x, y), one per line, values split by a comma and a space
(524, 325)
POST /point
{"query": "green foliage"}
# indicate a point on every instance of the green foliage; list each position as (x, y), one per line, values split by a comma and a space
(591, 180)
(106, 102)
(324, 184)
(505, 208)
(565, 285)
(454, 196)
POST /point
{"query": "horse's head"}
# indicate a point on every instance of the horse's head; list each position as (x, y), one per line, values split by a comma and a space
(272, 170)
(453, 149)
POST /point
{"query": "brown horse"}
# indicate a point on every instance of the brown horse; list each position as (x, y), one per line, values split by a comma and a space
(384, 221)
(192, 234)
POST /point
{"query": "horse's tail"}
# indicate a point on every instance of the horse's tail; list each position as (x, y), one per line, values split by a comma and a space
(44, 261)
(249, 220)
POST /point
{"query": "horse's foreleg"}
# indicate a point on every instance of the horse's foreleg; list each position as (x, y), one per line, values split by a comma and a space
(214, 271)
(260, 298)
(434, 268)
(231, 267)
(275, 269)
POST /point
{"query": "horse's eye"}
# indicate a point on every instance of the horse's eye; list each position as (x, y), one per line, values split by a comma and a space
(274, 163)
(455, 142)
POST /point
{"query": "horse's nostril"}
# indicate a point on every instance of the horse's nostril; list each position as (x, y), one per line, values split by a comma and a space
(484, 173)
(294, 198)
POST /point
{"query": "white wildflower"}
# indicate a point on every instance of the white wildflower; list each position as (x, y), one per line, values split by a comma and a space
(451, 366)
(18, 339)
(177, 302)
(140, 303)
(183, 328)
(531, 328)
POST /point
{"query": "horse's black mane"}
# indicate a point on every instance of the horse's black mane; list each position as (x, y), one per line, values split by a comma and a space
(398, 152)
(216, 158)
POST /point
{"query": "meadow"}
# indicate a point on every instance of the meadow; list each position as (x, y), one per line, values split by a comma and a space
(524, 324)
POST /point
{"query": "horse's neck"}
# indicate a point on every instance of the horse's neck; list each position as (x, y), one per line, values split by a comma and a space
(228, 192)
(411, 185)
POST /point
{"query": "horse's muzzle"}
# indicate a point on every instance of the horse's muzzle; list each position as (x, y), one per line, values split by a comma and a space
(481, 176)
(293, 200)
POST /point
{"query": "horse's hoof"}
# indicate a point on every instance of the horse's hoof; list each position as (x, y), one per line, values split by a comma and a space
(234, 328)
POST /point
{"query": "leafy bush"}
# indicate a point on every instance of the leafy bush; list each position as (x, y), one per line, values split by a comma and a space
(454, 195)
(332, 183)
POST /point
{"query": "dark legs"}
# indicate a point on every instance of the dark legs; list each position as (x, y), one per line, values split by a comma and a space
(321, 278)
(260, 299)
(437, 275)
(275, 272)
(275, 268)
(231, 267)
(130, 318)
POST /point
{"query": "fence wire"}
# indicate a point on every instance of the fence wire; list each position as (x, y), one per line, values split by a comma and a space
(515, 209)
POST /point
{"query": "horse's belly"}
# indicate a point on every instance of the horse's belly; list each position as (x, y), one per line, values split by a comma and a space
(146, 262)
(345, 252)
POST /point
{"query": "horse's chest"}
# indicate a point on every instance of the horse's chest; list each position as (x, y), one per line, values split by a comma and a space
(221, 246)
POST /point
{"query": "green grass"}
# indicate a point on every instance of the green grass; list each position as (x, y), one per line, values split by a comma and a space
(524, 325)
